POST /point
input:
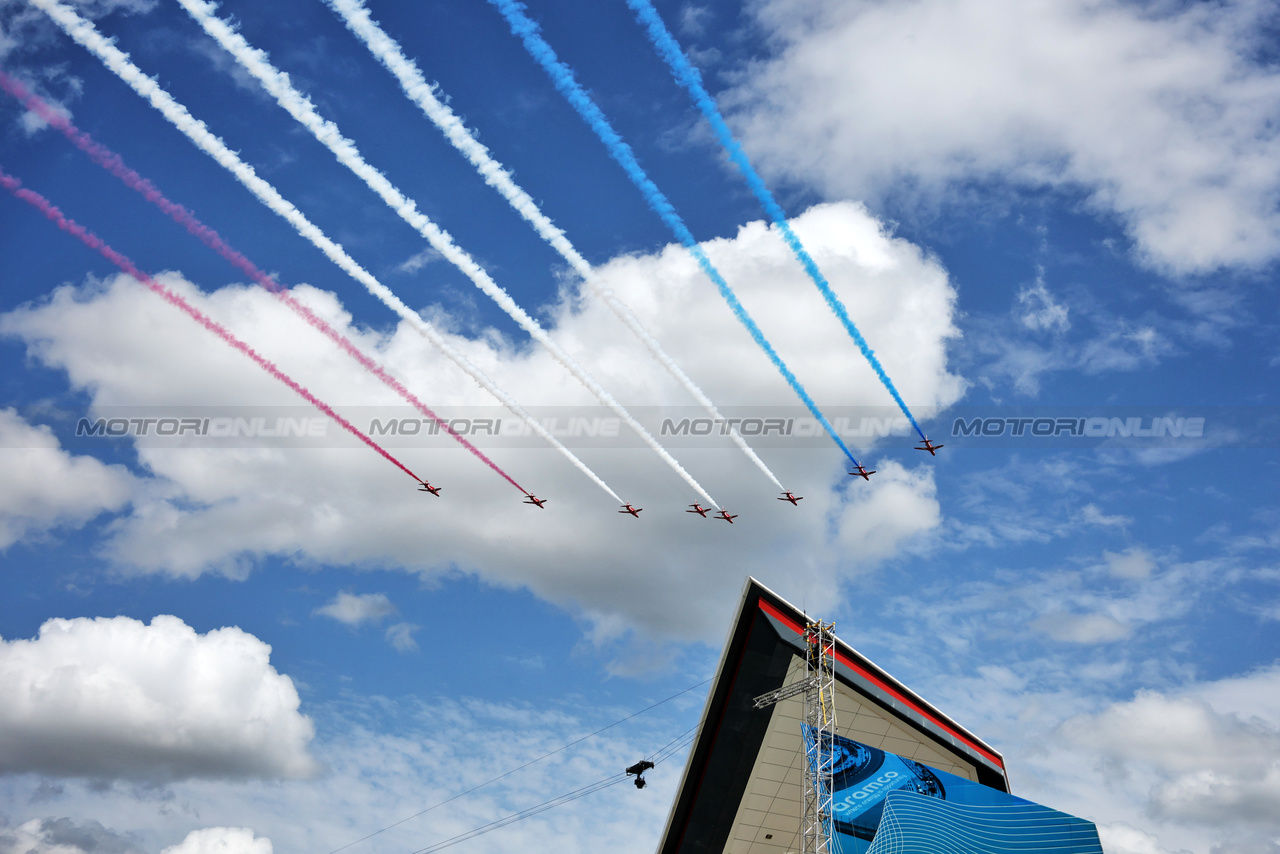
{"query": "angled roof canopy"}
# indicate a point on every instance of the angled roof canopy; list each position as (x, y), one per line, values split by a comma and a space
(740, 793)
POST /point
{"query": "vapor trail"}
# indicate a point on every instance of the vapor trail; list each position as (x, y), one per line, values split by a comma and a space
(562, 76)
(357, 18)
(91, 240)
(691, 79)
(113, 163)
(299, 106)
(118, 62)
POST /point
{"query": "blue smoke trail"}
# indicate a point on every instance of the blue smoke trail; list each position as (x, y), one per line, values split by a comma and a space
(691, 79)
(562, 76)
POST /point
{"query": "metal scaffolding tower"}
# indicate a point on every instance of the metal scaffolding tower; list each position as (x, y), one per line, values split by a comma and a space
(818, 731)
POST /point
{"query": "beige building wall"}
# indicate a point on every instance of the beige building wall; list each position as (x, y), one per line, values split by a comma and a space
(768, 819)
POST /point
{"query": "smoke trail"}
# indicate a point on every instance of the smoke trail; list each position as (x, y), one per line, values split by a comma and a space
(299, 106)
(689, 77)
(112, 162)
(562, 76)
(118, 63)
(388, 52)
(91, 240)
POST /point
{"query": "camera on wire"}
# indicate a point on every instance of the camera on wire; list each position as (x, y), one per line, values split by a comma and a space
(638, 769)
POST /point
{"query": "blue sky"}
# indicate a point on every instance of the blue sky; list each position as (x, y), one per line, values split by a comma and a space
(1052, 209)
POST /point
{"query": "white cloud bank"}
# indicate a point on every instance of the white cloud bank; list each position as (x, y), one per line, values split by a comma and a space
(118, 699)
(217, 510)
(1156, 112)
(46, 487)
(1214, 762)
(390, 758)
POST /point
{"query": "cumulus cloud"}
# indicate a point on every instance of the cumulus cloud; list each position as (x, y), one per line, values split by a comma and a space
(902, 504)
(222, 508)
(46, 487)
(221, 840)
(354, 609)
(119, 699)
(1120, 838)
(1214, 763)
(1157, 113)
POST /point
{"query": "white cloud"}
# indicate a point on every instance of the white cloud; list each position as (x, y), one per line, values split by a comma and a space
(355, 609)
(45, 487)
(898, 506)
(1082, 628)
(1156, 112)
(221, 840)
(1134, 563)
(1038, 311)
(400, 636)
(418, 260)
(1091, 514)
(218, 510)
(116, 698)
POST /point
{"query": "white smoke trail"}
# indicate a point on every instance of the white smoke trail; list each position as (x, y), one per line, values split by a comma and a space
(388, 52)
(299, 106)
(117, 61)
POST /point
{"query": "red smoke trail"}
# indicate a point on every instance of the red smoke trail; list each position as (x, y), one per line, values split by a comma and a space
(91, 240)
(113, 163)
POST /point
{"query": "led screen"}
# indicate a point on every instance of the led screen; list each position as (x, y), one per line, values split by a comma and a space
(864, 778)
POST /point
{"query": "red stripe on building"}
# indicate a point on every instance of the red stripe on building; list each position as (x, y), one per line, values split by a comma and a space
(875, 680)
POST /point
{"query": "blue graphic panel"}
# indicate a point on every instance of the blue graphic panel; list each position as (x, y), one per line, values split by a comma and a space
(912, 823)
(881, 800)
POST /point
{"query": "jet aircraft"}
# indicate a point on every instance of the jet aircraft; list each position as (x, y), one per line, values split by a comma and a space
(699, 509)
(634, 511)
(727, 516)
(862, 473)
(535, 500)
(794, 499)
(427, 487)
(930, 447)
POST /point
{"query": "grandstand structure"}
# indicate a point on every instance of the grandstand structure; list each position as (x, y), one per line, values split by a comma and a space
(899, 764)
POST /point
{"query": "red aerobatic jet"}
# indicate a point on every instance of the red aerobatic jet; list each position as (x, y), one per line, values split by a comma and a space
(727, 516)
(699, 509)
(862, 473)
(427, 487)
(930, 447)
(634, 511)
(535, 501)
(794, 499)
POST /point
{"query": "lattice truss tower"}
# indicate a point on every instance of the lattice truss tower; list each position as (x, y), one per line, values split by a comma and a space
(819, 690)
